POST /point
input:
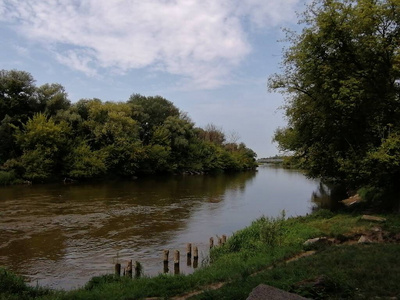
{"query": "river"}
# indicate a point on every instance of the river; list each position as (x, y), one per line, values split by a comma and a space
(61, 235)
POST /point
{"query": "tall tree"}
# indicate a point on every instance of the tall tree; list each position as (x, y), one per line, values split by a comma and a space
(17, 94)
(151, 113)
(110, 128)
(44, 143)
(18, 102)
(52, 98)
(213, 134)
(341, 75)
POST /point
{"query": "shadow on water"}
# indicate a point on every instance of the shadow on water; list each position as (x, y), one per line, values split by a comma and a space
(328, 196)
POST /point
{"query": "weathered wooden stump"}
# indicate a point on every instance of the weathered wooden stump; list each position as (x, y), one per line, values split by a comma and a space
(118, 269)
(165, 260)
(138, 269)
(195, 257)
(176, 262)
(189, 254)
(223, 239)
(165, 255)
(129, 269)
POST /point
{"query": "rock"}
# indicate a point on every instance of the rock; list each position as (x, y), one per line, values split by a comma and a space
(352, 200)
(319, 241)
(364, 240)
(262, 292)
(373, 218)
(376, 229)
(311, 241)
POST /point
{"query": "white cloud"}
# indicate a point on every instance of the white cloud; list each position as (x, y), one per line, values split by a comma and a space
(268, 13)
(201, 40)
(79, 60)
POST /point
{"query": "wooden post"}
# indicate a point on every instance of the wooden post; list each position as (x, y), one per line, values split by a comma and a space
(176, 257)
(165, 255)
(176, 262)
(223, 239)
(165, 260)
(211, 242)
(129, 269)
(189, 250)
(195, 257)
(189, 254)
(117, 269)
(138, 269)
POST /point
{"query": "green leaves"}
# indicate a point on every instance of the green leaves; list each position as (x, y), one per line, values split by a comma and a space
(43, 142)
(83, 162)
(17, 94)
(41, 130)
(45, 137)
(341, 76)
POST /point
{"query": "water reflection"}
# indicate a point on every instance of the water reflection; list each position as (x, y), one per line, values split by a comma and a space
(61, 235)
(327, 196)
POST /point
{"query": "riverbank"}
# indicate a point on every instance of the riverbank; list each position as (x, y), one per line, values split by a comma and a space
(354, 258)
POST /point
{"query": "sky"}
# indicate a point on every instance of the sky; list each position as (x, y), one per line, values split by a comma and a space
(211, 58)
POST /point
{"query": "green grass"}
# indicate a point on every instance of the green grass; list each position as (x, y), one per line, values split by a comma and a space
(352, 272)
(359, 271)
(14, 287)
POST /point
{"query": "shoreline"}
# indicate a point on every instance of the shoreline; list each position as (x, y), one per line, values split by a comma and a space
(252, 250)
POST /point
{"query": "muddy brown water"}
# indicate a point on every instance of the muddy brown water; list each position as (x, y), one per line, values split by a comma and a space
(60, 235)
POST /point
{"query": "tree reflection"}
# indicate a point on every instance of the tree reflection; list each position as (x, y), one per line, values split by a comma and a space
(327, 196)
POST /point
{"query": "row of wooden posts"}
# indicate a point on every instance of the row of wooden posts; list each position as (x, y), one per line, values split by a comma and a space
(128, 271)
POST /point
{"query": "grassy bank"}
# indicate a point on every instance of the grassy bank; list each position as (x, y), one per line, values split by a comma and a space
(260, 253)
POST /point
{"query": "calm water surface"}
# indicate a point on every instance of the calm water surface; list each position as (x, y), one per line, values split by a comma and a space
(61, 235)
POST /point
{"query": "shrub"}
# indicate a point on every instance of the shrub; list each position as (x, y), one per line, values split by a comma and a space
(11, 283)
(272, 230)
(7, 177)
(13, 287)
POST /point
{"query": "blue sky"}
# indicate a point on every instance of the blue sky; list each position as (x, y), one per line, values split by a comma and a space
(211, 58)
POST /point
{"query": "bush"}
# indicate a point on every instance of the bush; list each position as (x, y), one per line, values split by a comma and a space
(101, 280)
(11, 283)
(273, 230)
(7, 177)
(370, 194)
(13, 287)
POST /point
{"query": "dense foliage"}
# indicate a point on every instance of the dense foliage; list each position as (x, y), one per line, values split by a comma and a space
(45, 137)
(342, 78)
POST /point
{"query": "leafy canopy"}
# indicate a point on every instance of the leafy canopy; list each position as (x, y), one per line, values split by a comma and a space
(44, 137)
(341, 75)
